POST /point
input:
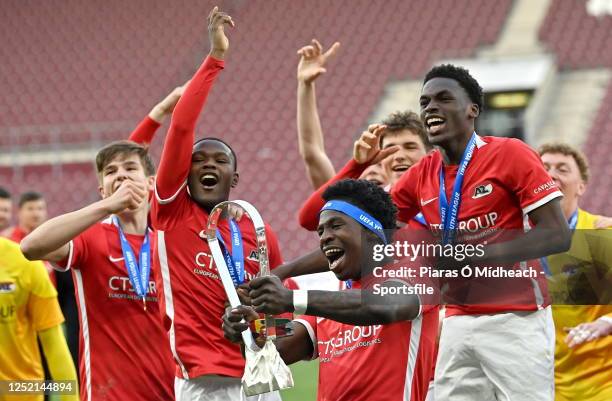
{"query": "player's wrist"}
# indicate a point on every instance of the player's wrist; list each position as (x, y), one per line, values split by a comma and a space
(218, 54)
(300, 301)
(607, 320)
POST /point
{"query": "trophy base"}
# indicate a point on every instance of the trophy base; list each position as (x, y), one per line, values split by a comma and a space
(265, 371)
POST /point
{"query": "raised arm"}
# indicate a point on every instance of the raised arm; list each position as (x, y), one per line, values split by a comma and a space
(176, 156)
(310, 134)
(365, 153)
(50, 240)
(145, 131)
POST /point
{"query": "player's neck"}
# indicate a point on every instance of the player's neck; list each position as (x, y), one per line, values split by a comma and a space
(452, 151)
(134, 222)
(569, 206)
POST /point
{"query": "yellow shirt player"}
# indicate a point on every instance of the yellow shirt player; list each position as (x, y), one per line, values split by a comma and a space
(29, 308)
(583, 275)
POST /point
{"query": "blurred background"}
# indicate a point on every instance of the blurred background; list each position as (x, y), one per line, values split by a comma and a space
(77, 74)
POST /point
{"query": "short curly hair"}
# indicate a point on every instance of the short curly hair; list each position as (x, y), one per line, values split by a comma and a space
(568, 150)
(406, 120)
(463, 77)
(369, 197)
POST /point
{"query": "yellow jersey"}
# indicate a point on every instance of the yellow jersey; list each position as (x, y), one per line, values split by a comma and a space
(583, 273)
(28, 304)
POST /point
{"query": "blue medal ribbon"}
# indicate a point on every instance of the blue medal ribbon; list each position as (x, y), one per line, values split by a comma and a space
(139, 269)
(235, 261)
(572, 223)
(449, 213)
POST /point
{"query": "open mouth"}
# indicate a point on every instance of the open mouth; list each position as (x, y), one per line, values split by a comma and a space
(209, 180)
(400, 168)
(334, 256)
(434, 124)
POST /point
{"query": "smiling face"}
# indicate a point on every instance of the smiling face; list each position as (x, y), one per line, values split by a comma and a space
(212, 173)
(124, 166)
(344, 242)
(565, 172)
(411, 150)
(446, 110)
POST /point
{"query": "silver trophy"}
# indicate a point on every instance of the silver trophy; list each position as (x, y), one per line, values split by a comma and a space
(265, 370)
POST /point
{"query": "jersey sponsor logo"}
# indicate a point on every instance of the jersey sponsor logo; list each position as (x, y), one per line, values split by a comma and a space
(428, 201)
(545, 187)
(475, 224)
(7, 286)
(482, 190)
(7, 313)
(122, 283)
(350, 336)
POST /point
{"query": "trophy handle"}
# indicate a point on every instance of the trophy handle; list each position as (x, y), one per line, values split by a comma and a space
(262, 250)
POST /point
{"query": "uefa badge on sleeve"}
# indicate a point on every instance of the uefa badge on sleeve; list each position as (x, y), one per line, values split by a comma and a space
(265, 371)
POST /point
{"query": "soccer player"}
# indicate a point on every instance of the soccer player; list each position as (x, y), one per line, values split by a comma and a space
(6, 209)
(313, 61)
(124, 350)
(583, 357)
(404, 142)
(489, 185)
(357, 361)
(32, 211)
(191, 180)
(29, 309)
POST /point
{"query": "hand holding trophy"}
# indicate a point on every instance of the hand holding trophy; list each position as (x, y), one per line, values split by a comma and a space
(265, 371)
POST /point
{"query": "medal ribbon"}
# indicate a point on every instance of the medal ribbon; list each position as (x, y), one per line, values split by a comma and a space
(138, 270)
(235, 261)
(449, 213)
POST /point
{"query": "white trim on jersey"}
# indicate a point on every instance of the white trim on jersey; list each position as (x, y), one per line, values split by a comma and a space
(479, 142)
(84, 327)
(170, 199)
(313, 338)
(165, 273)
(69, 263)
(413, 353)
(543, 201)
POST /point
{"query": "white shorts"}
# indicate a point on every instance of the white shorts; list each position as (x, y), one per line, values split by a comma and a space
(216, 388)
(503, 357)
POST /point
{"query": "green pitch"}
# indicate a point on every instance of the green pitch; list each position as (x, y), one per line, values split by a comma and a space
(305, 377)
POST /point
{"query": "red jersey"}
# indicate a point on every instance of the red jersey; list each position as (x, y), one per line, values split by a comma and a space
(124, 353)
(145, 131)
(503, 182)
(193, 295)
(15, 234)
(391, 362)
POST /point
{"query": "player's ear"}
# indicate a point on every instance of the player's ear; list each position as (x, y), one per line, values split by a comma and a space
(151, 183)
(235, 178)
(474, 111)
(581, 188)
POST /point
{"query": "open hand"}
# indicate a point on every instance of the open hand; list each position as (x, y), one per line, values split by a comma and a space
(312, 61)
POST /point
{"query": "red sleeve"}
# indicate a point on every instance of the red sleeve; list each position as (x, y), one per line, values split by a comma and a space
(145, 131)
(176, 156)
(404, 194)
(77, 254)
(274, 253)
(309, 212)
(528, 179)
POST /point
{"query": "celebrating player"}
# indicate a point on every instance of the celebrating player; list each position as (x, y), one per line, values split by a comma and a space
(192, 179)
(486, 184)
(313, 61)
(356, 361)
(111, 263)
(583, 350)
(29, 309)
